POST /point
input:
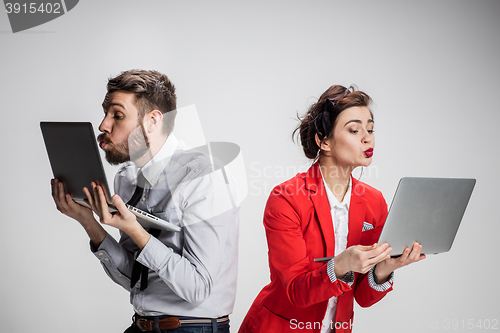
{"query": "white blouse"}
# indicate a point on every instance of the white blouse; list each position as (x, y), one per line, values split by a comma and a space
(340, 218)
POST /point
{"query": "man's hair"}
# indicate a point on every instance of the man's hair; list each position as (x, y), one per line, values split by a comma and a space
(153, 91)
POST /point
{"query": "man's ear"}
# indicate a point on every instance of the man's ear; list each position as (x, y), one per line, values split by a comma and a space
(323, 144)
(153, 120)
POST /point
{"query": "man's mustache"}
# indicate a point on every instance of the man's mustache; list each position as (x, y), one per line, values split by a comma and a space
(103, 138)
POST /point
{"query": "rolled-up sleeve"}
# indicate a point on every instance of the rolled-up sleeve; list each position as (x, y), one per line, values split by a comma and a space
(380, 287)
(348, 278)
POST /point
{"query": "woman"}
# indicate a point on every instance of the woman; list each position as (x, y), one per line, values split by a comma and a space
(325, 212)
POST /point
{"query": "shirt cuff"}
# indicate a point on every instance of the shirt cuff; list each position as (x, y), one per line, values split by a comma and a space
(111, 252)
(330, 269)
(379, 287)
(108, 243)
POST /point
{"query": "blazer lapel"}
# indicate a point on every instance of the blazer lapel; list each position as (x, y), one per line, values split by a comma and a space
(314, 183)
(357, 208)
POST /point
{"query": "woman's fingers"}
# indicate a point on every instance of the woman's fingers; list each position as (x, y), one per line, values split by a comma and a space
(411, 256)
(365, 258)
(379, 253)
(367, 248)
(404, 255)
(416, 253)
(383, 254)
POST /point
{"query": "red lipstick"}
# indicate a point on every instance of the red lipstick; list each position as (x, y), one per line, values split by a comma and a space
(369, 152)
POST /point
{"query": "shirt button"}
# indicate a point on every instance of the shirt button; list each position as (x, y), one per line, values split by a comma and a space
(100, 254)
(143, 198)
(140, 310)
(106, 259)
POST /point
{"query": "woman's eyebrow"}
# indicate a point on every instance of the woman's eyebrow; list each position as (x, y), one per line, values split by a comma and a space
(358, 121)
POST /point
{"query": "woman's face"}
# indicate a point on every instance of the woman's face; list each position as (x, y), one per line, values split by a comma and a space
(353, 139)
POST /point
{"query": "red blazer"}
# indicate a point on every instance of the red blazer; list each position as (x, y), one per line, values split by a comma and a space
(299, 228)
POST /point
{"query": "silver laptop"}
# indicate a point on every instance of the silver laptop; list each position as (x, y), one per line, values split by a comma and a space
(75, 160)
(428, 211)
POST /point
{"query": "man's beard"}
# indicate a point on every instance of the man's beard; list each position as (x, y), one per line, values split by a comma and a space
(117, 153)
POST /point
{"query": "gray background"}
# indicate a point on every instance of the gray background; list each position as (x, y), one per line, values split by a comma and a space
(250, 66)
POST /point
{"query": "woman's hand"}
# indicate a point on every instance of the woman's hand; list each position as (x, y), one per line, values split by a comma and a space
(360, 259)
(123, 220)
(386, 267)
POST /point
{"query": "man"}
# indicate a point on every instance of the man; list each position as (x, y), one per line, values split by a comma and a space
(178, 281)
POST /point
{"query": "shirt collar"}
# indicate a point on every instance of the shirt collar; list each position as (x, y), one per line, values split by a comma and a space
(154, 167)
(333, 201)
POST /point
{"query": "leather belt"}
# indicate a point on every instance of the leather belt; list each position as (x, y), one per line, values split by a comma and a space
(170, 323)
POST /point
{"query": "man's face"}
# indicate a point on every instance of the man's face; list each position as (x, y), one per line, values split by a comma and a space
(121, 123)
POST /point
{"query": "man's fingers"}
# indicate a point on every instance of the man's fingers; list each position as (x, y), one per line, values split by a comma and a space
(61, 196)
(96, 193)
(54, 190)
(90, 199)
(97, 200)
(103, 205)
(55, 194)
(118, 202)
(53, 187)
(69, 201)
(120, 205)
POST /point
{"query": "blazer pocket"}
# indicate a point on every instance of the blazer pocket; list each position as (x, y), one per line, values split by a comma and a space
(367, 226)
(367, 235)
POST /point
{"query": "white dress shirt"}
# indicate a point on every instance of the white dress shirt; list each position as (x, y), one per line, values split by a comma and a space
(192, 272)
(340, 218)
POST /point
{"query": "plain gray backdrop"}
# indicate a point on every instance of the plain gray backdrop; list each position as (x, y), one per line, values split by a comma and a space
(250, 67)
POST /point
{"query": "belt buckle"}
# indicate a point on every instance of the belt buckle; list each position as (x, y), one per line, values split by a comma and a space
(139, 321)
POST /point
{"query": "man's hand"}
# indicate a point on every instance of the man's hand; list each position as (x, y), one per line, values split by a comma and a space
(123, 220)
(67, 206)
(84, 215)
(386, 267)
(360, 259)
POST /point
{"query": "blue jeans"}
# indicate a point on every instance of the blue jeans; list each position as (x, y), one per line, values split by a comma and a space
(214, 327)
